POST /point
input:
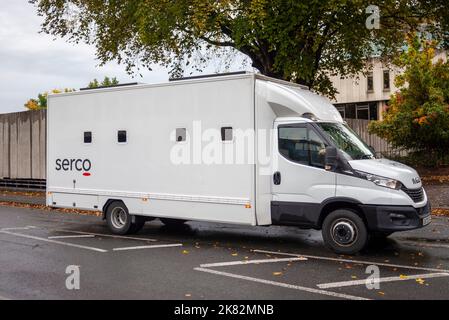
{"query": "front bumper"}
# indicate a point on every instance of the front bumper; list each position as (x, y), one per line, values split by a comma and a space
(395, 218)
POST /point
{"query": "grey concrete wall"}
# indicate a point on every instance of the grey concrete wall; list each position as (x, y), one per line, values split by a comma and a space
(23, 145)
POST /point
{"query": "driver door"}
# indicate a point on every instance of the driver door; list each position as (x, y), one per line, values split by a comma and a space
(300, 182)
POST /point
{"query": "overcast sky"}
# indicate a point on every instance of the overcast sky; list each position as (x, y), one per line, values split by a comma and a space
(31, 62)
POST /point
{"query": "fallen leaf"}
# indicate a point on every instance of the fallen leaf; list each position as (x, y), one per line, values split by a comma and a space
(381, 293)
(277, 273)
(234, 254)
(185, 252)
(420, 281)
(403, 277)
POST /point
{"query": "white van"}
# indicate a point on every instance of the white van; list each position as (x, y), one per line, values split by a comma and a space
(237, 148)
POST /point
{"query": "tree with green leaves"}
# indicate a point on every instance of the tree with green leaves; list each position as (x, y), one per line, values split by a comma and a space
(41, 101)
(417, 118)
(107, 82)
(301, 41)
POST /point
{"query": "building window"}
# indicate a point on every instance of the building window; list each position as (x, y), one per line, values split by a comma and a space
(350, 111)
(181, 134)
(373, 112)
(362, 112)
(122, 136)
(370, 82)
(226, 134)
(386, 80)
(367, 111)
(87, 137)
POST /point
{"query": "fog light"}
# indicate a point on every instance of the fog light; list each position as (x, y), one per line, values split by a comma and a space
(397, 216)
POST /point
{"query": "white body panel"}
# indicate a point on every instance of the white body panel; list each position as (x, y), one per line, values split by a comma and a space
(368, 193)
(140, 172)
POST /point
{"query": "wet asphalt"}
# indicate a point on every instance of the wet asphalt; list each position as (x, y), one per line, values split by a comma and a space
(210, 261)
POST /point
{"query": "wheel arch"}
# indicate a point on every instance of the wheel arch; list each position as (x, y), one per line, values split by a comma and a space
(333, 204)
(108, 203)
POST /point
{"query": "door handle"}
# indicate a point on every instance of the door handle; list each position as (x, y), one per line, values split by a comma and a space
(277, 178)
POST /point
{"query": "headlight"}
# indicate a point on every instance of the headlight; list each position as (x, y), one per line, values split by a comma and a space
(380, 181)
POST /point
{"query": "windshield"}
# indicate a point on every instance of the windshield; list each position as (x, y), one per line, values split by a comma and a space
(347, 141)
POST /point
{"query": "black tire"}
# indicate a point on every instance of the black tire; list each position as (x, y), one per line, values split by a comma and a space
(172, 222)
(138, 224)
(119, 220)
(344, 232)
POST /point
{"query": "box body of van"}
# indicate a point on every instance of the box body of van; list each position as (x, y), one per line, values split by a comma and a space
(242, 149)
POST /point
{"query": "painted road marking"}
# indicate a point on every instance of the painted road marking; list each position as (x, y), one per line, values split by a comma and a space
(149, 247)
(281, 284)
(354, 261)
(235, 263)
(73, 237)
(386, 279)
(53, 241)
(106, 235)
(18, 228)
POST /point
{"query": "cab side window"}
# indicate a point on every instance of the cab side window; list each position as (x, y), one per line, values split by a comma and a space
(301, 144)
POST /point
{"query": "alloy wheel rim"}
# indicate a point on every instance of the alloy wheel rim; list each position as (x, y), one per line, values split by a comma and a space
(344, 232)
(119, 218)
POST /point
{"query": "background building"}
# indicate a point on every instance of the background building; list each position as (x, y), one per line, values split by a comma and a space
(366, 96)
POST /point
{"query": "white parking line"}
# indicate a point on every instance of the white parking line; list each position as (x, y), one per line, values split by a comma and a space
(73, 237)
(106, 235)
(354, 261)
(386, 279)
(235, 263)
(18, 228)
(53, 241)
(283, 285)
(149, 247)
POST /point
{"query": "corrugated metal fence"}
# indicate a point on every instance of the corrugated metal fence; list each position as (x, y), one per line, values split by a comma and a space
(381, 146)
(23, 143)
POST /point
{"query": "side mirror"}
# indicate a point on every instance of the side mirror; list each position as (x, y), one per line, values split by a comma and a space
(331, 158)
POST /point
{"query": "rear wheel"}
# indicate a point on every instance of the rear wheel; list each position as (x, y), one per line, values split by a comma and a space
(120, 221)
(172, 222)
(344, 232)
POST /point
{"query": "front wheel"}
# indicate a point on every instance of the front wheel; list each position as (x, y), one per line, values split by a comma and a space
(344, 232)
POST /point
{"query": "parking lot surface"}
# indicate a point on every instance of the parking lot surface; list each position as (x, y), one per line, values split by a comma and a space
(211, 261)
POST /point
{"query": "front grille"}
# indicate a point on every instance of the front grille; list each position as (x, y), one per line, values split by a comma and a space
(417, 195)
